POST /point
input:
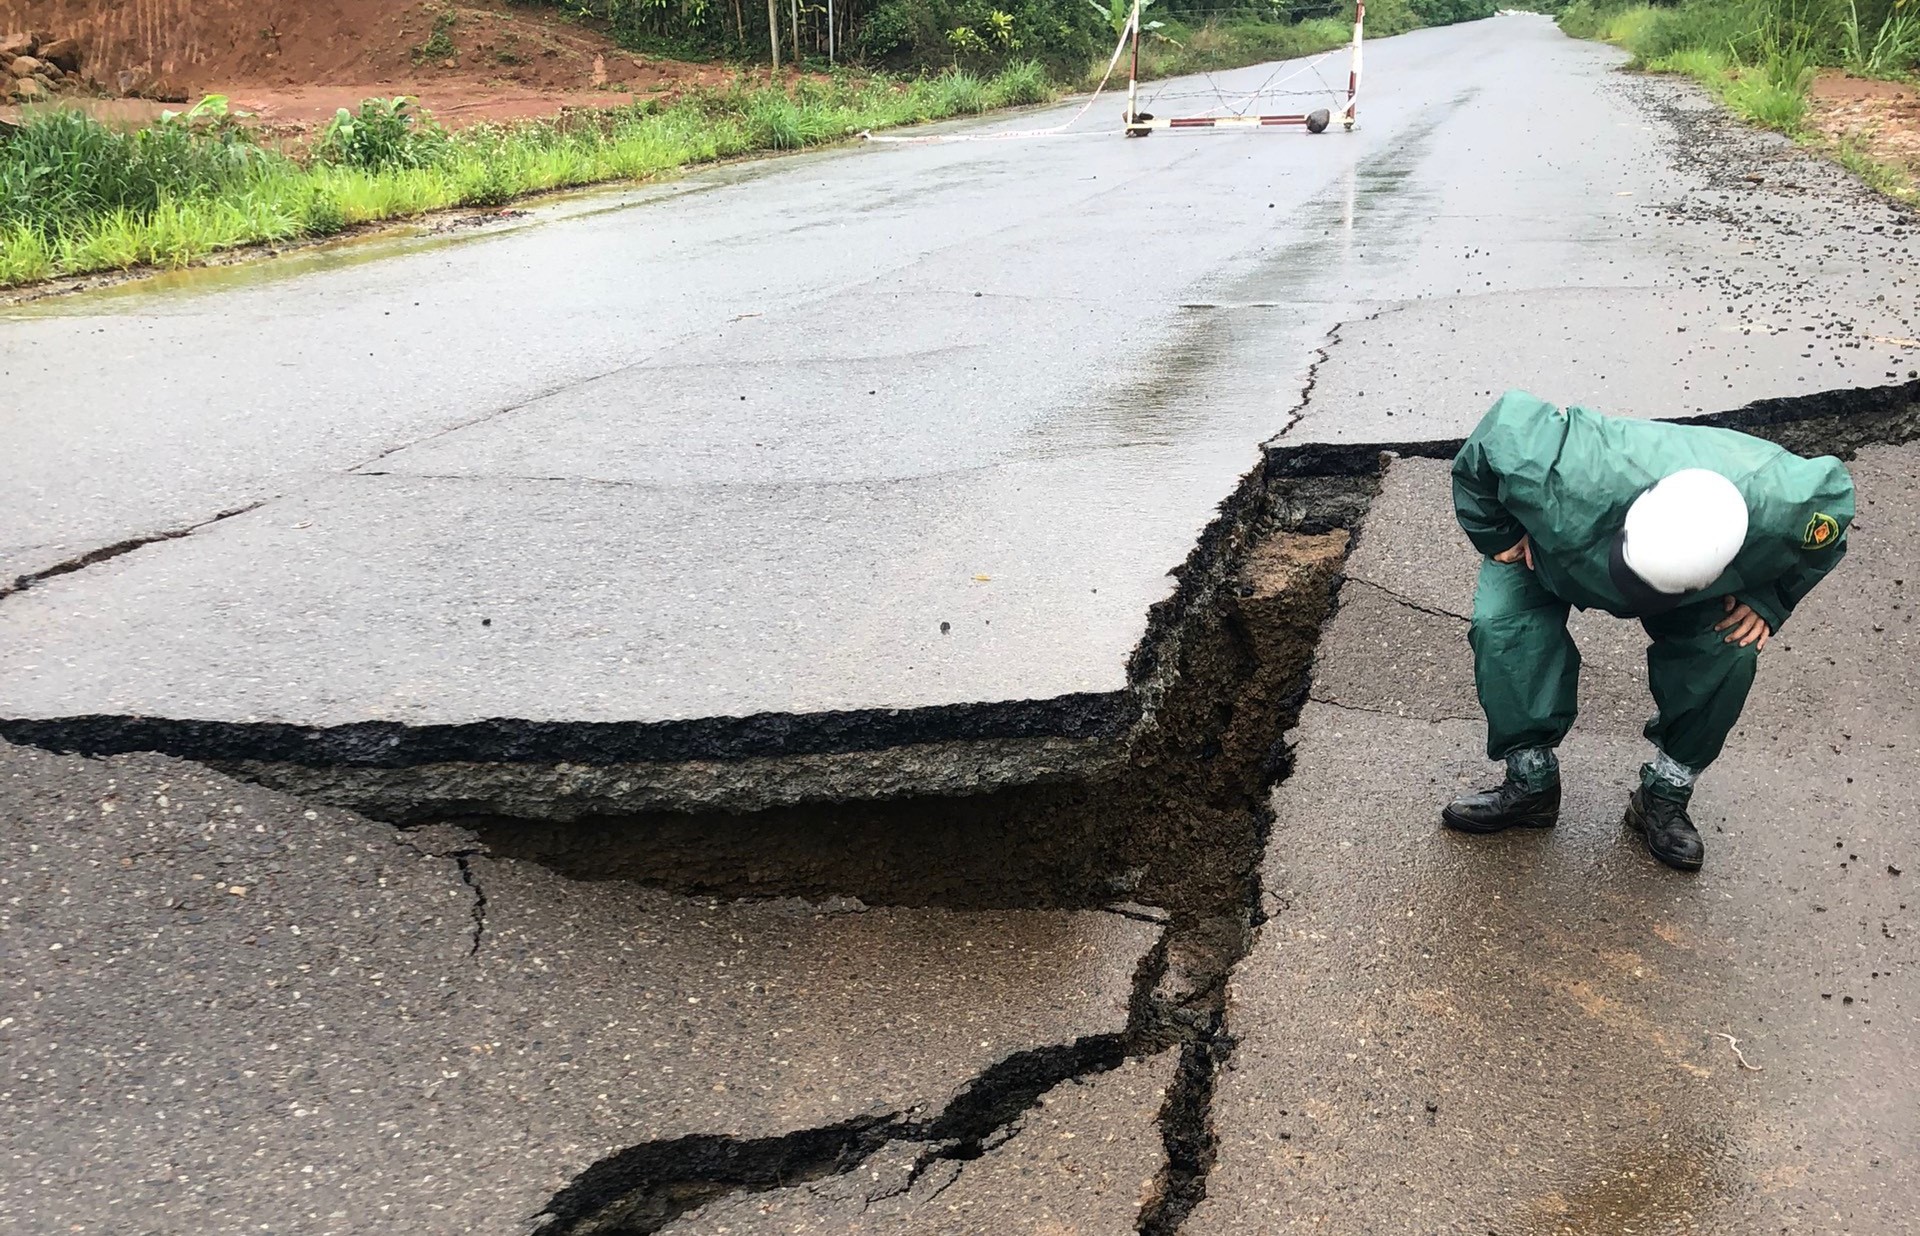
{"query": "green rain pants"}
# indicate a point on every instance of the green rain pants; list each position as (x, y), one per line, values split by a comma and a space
(1527, 670)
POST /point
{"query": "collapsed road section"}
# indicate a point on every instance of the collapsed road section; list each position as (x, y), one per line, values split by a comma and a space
(741, 522)
(572, 771)
(1184, 825)
(507, 989)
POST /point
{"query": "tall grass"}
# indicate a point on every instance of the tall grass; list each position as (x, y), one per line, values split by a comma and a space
(1759, 57)
(1875, 37)
(1891, 49)
(1756, 56)
(78, 196)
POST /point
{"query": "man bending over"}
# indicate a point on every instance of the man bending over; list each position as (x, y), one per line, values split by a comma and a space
(1707, 536)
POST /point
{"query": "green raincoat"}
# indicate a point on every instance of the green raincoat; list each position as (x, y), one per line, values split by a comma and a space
(1564, 478)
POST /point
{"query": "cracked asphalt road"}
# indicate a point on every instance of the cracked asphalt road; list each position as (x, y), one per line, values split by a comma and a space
(1439, 1033)
(224, 1011)
(853, 431)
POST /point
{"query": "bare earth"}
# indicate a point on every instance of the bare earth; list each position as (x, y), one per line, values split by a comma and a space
(293, 66)
(1883, 117)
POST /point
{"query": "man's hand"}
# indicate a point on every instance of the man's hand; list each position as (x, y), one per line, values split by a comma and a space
(1742, 625)
(1522, 552)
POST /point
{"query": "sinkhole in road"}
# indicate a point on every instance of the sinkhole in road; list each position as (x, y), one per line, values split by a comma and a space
(1175, 832)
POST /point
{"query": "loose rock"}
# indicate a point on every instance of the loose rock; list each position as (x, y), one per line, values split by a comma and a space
(64, 54)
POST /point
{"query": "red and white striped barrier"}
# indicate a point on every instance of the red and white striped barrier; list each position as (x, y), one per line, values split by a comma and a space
(1140, 124)
(1147, 124)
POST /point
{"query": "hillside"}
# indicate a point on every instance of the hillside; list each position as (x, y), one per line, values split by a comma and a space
(472, 60)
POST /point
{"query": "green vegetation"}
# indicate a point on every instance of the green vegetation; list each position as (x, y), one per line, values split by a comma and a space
(1064, 36)
(439, 44)
(1228, 43)
(1892, 181)
(1385, 17)
(79, 196)
(1759, 57)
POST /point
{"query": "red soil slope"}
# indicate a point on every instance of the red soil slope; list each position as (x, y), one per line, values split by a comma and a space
(296, 60)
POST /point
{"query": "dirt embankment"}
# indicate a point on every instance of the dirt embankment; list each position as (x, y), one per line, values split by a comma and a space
(294, 62)
(1881, 118)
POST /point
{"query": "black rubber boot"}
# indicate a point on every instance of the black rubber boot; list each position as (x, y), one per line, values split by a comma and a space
(1670, 834)
(1507, 805)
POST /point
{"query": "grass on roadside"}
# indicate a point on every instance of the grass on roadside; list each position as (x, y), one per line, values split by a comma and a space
(77, 196)
(1759, 57)
(1852, 154)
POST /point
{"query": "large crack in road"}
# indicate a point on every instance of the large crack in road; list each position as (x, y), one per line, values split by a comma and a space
(1180, 829)
(1184, 828)
(1151, 809)
(1171, 841)
(1173, 835)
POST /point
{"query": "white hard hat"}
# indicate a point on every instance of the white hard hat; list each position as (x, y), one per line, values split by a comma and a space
(1682, 533)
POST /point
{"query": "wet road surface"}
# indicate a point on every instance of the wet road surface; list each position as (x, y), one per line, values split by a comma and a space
(855, 430)
(226, 1008)
(1522, 1034)
(224, 1011)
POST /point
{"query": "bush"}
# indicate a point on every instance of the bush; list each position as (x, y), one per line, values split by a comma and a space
(1773, 94)
(384, 135)
(1020, 84)
(1386, 18)
(1240, 41)
(776, 122)
(1447, 12)
(961, 94)
(322, 215)
(1062, 36)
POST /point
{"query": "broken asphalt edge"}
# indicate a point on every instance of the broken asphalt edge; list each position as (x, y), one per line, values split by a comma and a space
(561, 770)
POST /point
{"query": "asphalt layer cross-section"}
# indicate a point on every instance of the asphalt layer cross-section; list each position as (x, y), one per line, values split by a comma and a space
(882, 431)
